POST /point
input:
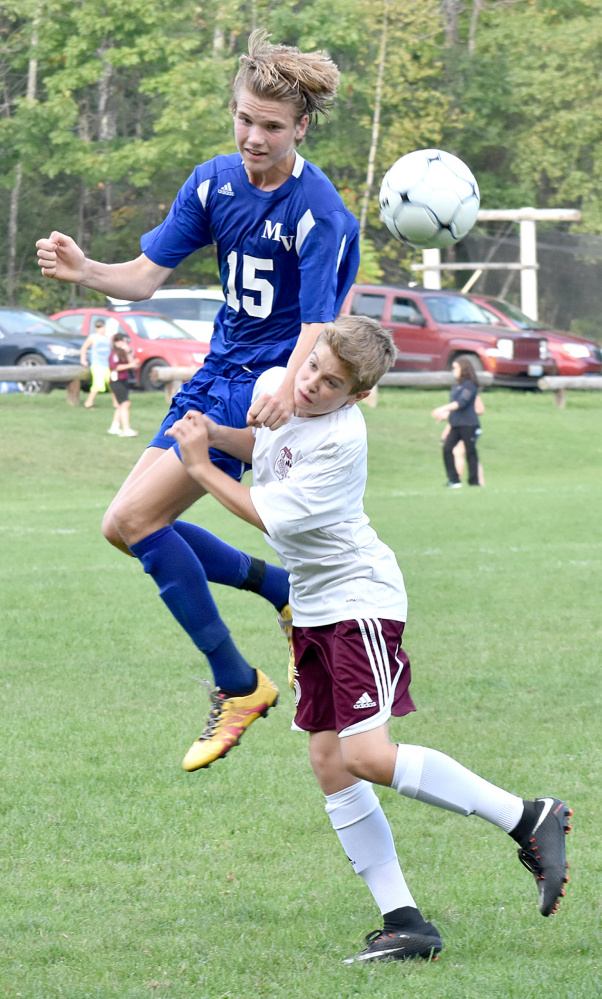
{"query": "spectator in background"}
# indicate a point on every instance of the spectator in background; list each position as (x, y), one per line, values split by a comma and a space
(463, 422)
(99, 345)
(121, 363)
(459, 451)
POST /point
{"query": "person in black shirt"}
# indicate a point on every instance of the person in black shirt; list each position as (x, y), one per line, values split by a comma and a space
(463, 421)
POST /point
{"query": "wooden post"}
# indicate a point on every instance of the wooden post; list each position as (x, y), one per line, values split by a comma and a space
(73, 390)
(558, 384)
(171, 388)
(431, 275)
(528, 259)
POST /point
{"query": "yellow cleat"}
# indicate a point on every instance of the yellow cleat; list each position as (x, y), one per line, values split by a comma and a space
(285, 620)
(228, 719)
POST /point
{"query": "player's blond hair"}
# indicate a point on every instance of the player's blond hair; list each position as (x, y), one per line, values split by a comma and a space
(306, 80)
(364, 348)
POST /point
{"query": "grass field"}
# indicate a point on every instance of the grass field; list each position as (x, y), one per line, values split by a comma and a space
(124, 877)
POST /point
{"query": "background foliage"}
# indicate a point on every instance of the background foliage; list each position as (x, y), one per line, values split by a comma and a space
(106, 105)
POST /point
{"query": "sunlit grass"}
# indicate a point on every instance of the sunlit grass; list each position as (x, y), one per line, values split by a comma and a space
(123, 877)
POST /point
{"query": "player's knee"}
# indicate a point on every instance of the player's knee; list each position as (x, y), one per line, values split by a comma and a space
(109, 529)
(368, 759)
(120, 526)
(359, 762)
(320, 760)
(326, 760)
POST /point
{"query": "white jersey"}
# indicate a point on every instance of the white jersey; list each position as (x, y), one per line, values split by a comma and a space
(309, 481)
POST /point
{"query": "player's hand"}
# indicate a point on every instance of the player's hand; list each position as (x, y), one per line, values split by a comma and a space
(60, 257)
(269, 411)
(193, 438)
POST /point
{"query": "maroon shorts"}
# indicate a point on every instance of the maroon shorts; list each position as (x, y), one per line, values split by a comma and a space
(350, 676)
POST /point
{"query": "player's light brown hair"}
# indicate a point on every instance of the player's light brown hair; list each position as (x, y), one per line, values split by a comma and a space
(361, 344)
(307, 81)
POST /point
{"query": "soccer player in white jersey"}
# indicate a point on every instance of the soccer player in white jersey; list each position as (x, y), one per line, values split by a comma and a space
(288, 251)
(349, 608)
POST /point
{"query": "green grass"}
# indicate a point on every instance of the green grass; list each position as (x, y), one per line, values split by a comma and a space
(124, 877)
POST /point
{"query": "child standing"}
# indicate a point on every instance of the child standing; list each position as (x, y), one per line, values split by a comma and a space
(121, 363)
(349, 607)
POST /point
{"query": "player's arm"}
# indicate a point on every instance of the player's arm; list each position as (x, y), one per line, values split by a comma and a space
(274, 411)
(61, 258)
(234, 441)
(193, 435)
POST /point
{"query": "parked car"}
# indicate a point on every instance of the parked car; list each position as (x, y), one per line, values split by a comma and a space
(29, 338)
(431, 329)
(573, 355)
(155, 340)
(194, 309)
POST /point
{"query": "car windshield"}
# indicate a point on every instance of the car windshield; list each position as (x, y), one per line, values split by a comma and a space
(453, 309)
(28, 321)
(518, 317)
(189, 309)
(179, 307)
(157, 328)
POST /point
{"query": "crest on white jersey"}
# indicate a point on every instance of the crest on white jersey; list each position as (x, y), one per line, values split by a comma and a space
(283, 463)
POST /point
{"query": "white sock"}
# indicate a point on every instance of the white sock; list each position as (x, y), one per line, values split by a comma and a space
(365, 835)
(437, 779)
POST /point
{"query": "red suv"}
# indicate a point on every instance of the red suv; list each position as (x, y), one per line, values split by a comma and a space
(155, 339)
(573, 355)
(431, 329)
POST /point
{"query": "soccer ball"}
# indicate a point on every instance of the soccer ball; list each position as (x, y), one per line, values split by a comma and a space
(429, 198)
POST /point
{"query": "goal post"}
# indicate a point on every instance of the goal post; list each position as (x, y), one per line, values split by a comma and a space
(527, 218)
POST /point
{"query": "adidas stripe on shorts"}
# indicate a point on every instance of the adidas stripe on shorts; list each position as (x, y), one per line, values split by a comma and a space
(350, 676)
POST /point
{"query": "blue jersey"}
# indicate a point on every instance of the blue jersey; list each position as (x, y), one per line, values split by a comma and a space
(285, 257)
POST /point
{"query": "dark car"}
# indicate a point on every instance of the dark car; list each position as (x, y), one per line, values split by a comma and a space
(573, 355)
(29, 338)
(155, 340)
(432, 329)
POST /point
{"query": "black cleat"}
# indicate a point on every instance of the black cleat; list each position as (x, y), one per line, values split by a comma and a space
(543, 852)
(401, 945)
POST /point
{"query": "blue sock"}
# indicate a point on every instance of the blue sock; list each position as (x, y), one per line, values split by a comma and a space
(184, 589)
(231, 567)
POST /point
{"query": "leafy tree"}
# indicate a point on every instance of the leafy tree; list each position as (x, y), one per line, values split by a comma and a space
(128, 95)
(532, 103)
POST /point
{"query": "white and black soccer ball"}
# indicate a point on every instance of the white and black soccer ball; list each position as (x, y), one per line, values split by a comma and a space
(429, 198)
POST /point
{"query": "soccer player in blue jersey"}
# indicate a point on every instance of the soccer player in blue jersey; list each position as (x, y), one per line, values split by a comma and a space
(288, 251)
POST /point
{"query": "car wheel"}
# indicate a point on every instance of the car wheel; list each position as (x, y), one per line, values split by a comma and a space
(146, 382)
(33, 387)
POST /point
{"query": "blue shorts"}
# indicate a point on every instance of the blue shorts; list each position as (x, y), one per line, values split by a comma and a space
(223, 398)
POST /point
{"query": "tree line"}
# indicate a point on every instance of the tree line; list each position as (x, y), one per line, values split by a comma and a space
(107, 105)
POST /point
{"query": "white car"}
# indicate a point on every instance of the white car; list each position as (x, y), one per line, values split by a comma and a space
(194, 309)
